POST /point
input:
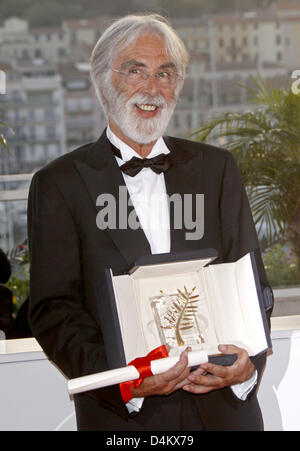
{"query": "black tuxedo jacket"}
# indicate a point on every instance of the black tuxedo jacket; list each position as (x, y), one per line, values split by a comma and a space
(69, 254)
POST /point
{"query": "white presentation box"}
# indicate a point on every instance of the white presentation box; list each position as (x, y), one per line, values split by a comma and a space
(230, 306)
(181, 299)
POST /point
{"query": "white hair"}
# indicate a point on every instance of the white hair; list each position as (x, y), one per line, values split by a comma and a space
(126, 31)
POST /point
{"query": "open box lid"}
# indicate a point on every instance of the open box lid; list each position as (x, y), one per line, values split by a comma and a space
(163, 264)
(121, 307)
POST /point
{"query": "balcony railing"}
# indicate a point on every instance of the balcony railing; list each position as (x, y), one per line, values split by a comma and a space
(287, 300)
(14, 194)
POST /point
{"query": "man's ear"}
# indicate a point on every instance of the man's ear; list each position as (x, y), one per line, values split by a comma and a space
(103, 93)
(102, 97)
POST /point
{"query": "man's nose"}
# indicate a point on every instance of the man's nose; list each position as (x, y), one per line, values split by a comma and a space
(151, 85)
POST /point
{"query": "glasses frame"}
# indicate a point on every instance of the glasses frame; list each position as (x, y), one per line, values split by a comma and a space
(148, 75)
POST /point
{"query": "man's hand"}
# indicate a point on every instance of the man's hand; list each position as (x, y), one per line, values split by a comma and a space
(167, 382)
(210, 377)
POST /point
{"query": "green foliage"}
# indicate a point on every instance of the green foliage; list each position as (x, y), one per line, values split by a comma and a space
(19, 285)
(19, 281)
(45, 12)
(4, 128)
(53, 12)
(196, 7)
(14, 8)
(281, 266)
(266, 145)
(3, 142)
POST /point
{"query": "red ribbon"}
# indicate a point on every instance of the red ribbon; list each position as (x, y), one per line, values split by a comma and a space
(143, 365)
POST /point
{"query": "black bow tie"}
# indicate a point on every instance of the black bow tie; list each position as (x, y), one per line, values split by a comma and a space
(158, 164)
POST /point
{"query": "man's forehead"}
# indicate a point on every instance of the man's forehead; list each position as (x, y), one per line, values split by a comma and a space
(145, 48)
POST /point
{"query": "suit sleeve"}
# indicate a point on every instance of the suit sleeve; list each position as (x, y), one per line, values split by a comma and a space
(57, 314)
(238, 230)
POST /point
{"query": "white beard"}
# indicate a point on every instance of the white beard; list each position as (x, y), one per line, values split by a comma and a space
(139, 129)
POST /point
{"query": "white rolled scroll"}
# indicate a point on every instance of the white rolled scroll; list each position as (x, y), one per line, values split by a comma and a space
(129, 373)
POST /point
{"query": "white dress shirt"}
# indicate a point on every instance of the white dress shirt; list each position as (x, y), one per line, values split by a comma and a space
(148, 194)
(149, 197)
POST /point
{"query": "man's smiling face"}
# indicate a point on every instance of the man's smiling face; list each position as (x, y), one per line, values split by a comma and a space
(140, 107)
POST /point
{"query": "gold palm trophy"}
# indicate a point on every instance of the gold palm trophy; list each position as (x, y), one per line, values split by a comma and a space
(177, 318)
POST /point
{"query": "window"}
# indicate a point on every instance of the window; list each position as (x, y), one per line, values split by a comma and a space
(50, 132)
(40, 98)
(61, 52)
(16, 95)
(49, 114)
(32, 133)
(38, 53)
(76, 85)
(25, 54)
(19, 152)
(189, 120)
(17, 114)
(72, 105)
(13, 222)
(86, 104)
(73, 38)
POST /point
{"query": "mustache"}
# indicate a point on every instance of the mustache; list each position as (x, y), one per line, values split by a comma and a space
(157, 100)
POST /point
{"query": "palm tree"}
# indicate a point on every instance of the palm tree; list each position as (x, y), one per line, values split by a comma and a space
(4, 127)
(3, 142)
(266, 145)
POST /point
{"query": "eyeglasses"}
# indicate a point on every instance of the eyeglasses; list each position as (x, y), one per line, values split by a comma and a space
(138, 75)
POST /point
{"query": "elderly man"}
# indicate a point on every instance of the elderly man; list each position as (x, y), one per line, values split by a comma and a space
(137, 67)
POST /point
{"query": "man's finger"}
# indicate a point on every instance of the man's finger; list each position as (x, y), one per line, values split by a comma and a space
(176, 371)
(231, 349)
(197, 389)
(207, 380)
(216, 370)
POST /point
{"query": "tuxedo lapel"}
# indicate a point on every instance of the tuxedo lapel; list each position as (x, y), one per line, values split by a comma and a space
(184, 181)
(102, 176)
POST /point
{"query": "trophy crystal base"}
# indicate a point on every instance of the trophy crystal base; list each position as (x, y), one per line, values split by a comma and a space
(177, 318)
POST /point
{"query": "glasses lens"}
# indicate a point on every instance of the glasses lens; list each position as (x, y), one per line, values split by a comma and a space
(135, 76)
(166, 78)
(138, 76)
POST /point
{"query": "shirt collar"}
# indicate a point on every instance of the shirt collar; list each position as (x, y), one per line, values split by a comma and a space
(127, 152)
